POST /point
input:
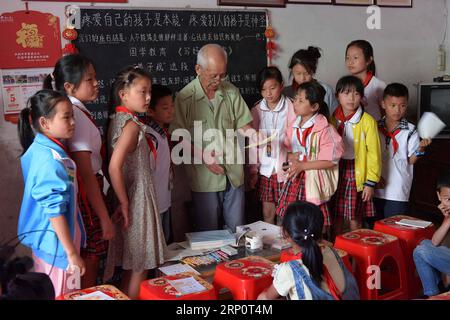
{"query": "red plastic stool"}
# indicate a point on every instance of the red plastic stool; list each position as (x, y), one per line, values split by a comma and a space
(160, 289)
(372, 248)
(288, 255)
(409, 238)
(442, 296)
(91, 293)
(246, 278)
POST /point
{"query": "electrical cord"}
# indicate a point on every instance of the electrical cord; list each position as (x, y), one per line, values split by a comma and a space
(6, 244)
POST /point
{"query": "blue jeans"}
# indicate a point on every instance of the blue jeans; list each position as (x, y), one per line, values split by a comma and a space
(430, 262)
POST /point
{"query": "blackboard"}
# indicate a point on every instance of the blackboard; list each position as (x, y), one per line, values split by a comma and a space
(166, 42)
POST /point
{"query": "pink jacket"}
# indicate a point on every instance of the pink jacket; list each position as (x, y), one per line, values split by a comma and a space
(325, 144)
(331, 144)
(282, 157)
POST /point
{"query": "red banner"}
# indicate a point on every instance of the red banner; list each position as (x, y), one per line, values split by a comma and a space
(30, 39)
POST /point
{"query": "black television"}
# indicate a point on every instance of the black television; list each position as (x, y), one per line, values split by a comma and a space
(435, 97)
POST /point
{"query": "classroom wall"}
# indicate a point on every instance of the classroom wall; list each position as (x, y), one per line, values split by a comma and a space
(405, 50)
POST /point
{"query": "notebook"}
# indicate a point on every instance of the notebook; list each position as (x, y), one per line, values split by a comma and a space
(210, 239)
(414, 223)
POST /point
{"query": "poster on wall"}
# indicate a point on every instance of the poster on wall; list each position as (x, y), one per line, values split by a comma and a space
(30, 39)
(17, 86)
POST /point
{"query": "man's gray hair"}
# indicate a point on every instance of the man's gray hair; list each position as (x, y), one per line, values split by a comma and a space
(202, 58)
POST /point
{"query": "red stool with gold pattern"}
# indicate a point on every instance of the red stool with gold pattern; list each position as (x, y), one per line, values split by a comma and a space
(380, 264)
(161, 289)
(409, 238)
(288, 255)
(246, 278)
(95, 293)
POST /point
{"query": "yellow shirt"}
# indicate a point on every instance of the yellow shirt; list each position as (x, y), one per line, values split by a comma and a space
(366, 144)
(227, 110)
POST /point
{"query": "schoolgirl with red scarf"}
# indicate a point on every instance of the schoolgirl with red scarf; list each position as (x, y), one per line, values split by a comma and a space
(360, 61)
(139, 245)
(360, 166)
(315, 148)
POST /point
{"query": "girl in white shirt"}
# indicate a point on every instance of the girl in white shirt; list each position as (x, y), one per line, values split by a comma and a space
(271, 115)
(360, 61)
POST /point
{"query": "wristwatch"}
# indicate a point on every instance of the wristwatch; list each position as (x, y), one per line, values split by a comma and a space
(419, 153)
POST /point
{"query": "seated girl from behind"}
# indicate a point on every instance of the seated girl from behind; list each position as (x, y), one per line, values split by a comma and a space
(320, 273)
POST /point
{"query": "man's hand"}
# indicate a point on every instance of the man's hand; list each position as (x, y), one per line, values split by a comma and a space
(215, 168)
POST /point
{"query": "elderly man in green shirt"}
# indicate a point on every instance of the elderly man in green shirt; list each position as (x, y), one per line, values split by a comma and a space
(210, 103)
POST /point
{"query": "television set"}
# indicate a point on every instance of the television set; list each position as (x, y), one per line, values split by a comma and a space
(435, 97)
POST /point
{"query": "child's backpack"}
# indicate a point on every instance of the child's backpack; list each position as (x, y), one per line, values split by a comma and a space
(351, 291)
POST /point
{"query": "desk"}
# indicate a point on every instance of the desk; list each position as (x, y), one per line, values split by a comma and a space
(267, 252)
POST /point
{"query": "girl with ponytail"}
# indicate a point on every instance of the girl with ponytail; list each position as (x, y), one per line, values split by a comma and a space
(303, 67)
(360, 62)
(318, 273)
(74, 76)
(314, 149)
(49, 222)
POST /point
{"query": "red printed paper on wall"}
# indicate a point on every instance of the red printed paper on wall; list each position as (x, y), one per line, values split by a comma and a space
(30, 39)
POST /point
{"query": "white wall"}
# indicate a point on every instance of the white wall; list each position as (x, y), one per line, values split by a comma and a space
(405, 50)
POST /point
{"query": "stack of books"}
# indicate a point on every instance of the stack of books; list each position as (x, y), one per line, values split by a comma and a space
(204, 240)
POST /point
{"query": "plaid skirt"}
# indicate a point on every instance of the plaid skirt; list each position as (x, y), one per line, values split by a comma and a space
(347, 201)
(269, 188)
(293, 190)
(96, 247)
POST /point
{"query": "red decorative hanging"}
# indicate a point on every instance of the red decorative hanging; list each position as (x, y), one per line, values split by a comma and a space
(69, 49)
(270, 46)
(70, 34)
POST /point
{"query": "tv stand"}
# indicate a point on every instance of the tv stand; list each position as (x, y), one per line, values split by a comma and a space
(423, 199)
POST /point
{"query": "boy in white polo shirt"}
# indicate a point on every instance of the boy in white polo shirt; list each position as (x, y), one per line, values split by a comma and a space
(159, 116)
(400, 148)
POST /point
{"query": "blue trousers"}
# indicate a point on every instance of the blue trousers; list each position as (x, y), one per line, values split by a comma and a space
(210, 206)
(430, 262)
(388, 208)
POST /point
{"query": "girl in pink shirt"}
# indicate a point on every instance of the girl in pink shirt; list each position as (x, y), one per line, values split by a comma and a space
(316, 148)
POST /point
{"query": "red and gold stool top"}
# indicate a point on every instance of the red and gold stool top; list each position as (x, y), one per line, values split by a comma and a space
(442, 296)
(368, 237)
(107, 289)
(168, 289)
(252, 267)
(392, 222)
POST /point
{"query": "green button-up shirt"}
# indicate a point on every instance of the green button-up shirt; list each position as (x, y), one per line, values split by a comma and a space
(228, 110)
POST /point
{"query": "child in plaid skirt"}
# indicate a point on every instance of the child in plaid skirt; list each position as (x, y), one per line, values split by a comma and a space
(316, 149)
(360, 167)
(271, 115)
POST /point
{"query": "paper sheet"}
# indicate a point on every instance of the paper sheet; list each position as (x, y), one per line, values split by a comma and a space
(187, 285)
(269, 231)
(429, 125)
(413, 223)
(177, 251)
(96, 295)
(177, 268)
